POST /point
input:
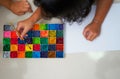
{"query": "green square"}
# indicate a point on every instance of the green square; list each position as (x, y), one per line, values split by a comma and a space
(36, 40)
(6, 41)
(44, 27)
(28, 54)
(6, 47)
(44, 47)
(59, 33)
(44, 40)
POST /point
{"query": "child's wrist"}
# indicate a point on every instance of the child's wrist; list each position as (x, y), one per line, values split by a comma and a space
(97, 21)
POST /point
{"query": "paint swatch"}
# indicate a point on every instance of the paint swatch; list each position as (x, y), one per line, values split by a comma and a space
(43, 41)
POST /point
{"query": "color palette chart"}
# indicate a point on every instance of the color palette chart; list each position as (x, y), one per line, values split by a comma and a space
(43, 41)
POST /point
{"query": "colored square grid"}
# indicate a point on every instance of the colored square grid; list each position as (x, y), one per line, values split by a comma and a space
(42, 41)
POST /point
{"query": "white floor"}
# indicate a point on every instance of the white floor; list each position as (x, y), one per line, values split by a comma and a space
(82, 65)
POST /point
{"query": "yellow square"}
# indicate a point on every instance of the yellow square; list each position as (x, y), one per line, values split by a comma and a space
(52, 40)
(14, 47)
(29, 47)
(52, 33)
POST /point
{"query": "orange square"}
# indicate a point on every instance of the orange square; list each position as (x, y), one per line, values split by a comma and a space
(36, 27)
(21, 54)
(14, 47)
(52, 40)
(44, 33)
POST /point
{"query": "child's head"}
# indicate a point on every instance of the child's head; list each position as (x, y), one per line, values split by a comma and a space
(70, 10)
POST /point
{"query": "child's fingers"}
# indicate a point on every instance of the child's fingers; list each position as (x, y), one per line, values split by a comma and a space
(85, 33)
(93, 37)
(89, 36)
(24, 33)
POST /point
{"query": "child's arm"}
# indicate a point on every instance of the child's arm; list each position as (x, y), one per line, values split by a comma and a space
(94, 28)
(18, 7)
(27, 24)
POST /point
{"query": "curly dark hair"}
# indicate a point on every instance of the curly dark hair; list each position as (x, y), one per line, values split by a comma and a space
(69, 10)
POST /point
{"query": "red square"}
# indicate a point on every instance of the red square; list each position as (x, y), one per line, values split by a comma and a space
(59, 41)
(14, 40)
(13, 34)
(36, 47)
(13, 54)
(21, 47)
(59, 47)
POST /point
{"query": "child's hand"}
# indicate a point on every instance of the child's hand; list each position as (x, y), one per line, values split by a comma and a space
(20, 7)
(24, 26)
(91, 31)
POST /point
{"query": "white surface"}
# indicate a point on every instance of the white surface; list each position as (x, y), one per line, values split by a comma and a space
(107, 41)
(75, 66)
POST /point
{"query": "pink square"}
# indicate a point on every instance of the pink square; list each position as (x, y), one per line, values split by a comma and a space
(7, 34)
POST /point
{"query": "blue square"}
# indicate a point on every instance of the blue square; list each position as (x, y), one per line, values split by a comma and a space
(59, 54)
(60, 27)
(28, 40)
(44, 47)
(44, 54)
(52, 48)
(29, 34)
(36, 54)
(52, 26)
(21, 41)
(7, 28)
(36, 33)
